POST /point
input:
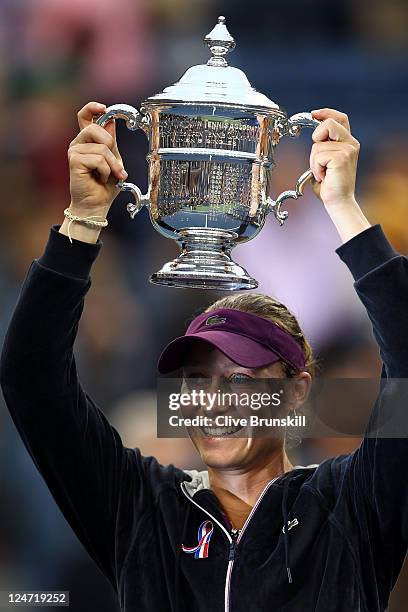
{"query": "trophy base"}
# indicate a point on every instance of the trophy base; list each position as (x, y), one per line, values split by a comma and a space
(205, 263)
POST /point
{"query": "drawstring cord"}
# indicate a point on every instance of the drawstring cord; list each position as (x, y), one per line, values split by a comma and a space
(177, 570)
(285, 527)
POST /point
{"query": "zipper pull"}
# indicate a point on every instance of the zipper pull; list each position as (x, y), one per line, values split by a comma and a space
(234, 535)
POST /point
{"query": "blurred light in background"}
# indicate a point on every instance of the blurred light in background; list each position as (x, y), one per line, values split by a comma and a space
(55, 55)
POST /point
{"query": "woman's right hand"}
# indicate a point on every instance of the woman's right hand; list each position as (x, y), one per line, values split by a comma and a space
(95, 164)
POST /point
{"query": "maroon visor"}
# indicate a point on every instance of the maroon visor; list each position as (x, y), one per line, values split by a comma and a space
(247, 339)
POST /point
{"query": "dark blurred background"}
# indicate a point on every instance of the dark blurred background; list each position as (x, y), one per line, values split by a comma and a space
(55, 55)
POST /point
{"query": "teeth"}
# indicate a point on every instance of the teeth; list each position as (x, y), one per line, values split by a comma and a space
(220, 431)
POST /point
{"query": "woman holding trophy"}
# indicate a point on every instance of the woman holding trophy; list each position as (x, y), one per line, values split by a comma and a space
(346, 519)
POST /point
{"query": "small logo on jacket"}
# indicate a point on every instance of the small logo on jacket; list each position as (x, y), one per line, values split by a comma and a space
(200, 551)
(291, 524)
(215, 320)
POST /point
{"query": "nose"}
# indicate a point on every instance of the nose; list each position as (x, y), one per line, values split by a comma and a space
(216, 401)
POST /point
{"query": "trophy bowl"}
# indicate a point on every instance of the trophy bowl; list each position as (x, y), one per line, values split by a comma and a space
(212, 139)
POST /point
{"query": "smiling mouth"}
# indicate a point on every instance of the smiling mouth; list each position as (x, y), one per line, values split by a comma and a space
(221, 432)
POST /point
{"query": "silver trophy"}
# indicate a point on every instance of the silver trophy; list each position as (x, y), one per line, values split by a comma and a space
(212, 139)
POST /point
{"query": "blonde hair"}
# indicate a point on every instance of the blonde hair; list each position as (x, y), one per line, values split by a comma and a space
(273, 310)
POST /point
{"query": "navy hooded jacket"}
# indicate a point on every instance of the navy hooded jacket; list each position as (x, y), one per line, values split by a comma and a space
(346, 535)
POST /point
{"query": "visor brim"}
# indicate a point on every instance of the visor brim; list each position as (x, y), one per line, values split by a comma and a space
(242, 350)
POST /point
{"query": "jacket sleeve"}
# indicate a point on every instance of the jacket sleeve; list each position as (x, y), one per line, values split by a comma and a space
(79, 454)
(377, 471)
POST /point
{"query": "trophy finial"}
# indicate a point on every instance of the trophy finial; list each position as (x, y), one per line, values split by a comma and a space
(220, 42)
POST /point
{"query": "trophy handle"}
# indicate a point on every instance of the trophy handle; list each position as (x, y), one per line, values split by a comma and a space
(293, 127)
(134, 121)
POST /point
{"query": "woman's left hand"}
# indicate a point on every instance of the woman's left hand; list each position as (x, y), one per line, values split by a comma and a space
(333, 159)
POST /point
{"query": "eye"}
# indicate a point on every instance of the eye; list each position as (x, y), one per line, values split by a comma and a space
(197, 380)
(240, 381)
(239, 378)
(196, 374)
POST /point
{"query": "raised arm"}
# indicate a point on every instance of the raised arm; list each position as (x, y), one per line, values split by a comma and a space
(89, 472)
(78, 453)
(374, 478)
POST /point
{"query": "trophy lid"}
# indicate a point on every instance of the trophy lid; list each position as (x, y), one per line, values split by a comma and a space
(216, 82)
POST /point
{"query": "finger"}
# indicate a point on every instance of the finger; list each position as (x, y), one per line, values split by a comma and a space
(331, 129)
(331, 113)
(327, 160)
(330, 145)
(330, 149)
(110, 127)
(96, 134)
(91, 161)
(88, 112)
(115, 164)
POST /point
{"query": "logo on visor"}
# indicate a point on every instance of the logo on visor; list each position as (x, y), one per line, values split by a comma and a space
(215, 320)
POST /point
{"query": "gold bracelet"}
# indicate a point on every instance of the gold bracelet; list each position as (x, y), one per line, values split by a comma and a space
(88, 221)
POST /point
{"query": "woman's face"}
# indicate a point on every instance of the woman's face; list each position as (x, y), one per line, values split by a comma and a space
(209, 369)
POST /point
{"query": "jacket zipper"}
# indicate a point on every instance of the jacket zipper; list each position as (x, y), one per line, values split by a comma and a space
(239, 534)
(235, 533)
(233, 538)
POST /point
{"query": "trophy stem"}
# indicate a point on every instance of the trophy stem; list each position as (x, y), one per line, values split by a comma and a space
(205, 262)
